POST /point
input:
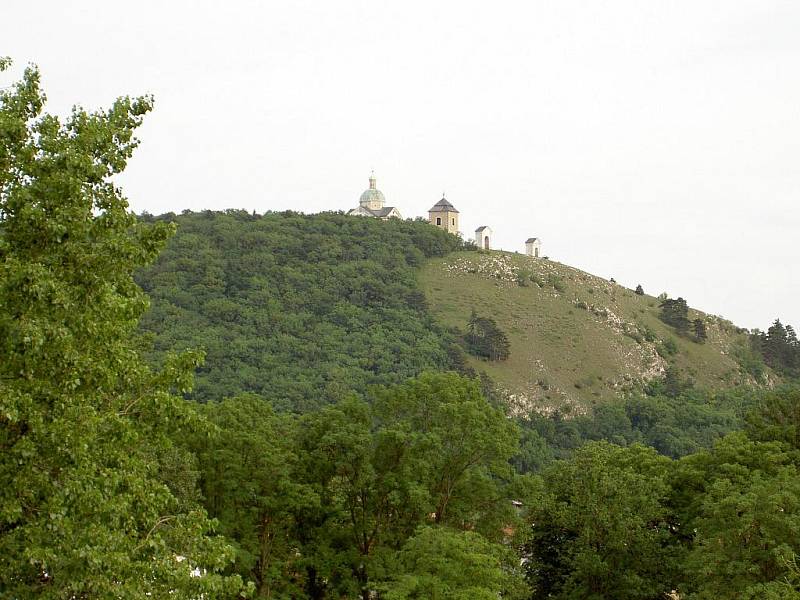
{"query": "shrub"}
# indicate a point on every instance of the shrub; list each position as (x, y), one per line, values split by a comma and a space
(667, 348)
(648, 334)
(556, 282)
(635, 336)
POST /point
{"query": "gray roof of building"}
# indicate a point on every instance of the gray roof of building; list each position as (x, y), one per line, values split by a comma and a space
(382, 212)
(531, 240)
(443, 205)
(482, 227)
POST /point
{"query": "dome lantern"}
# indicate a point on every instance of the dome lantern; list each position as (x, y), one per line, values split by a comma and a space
(372, 198)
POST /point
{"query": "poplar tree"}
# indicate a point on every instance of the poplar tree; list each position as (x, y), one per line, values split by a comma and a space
(86, 507)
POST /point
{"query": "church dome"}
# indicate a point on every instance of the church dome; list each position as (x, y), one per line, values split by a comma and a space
(372, 197)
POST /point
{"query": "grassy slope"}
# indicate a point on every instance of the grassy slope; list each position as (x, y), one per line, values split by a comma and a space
(576, 339)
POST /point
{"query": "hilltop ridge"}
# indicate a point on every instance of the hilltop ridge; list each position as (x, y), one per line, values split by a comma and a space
(304, 309)
(576, 339)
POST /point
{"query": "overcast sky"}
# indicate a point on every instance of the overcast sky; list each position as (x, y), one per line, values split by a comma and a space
(653, 142)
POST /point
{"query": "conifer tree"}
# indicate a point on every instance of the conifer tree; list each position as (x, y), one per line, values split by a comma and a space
(700, 333)
(484, 338)
(780, 348)
(675, 312)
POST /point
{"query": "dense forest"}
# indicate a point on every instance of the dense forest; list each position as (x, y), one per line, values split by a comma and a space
(304, 309)
(341, 449)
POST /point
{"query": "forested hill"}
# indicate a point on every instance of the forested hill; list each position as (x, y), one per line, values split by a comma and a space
(302, 309)
(306, 309)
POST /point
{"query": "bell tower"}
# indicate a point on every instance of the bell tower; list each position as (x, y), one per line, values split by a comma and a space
(444, 216)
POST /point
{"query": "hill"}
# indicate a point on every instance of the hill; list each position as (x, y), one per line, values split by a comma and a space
(305, 309)
(301, 309)
(576, 339)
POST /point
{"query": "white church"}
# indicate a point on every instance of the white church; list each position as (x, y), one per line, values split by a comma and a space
(372, 204)
(443, 215)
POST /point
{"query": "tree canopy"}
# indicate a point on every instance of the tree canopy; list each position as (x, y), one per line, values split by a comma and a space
(780, 348)
(324, 504)
(303, 309)
(86, 507)
(675, 312)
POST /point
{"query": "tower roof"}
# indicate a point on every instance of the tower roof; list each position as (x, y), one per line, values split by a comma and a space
(443, 205)
(373, 194)
(531, 240)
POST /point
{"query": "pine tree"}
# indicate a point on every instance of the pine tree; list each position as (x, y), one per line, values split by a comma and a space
(792, 350)
(639, 290)
(485, 339)
(675, 312)
(473, 338)
(700, 334)
(780, 348)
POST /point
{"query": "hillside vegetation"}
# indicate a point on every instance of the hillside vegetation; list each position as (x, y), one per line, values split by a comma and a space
(575, 339)
(303, 309)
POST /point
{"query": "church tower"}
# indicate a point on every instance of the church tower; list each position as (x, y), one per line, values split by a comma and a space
(371, 204)
(444, 215)
(372, 199)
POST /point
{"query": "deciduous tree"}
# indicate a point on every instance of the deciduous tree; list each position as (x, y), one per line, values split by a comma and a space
(742, 513)
(85, 506)
(252, 485)
(442, 564)
(603, 527)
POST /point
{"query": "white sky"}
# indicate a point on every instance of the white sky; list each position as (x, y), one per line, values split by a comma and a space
(653, 142)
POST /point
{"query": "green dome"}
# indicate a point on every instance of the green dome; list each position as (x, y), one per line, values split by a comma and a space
(373, 194)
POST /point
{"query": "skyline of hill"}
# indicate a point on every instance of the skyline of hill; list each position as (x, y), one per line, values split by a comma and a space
(305, 308)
